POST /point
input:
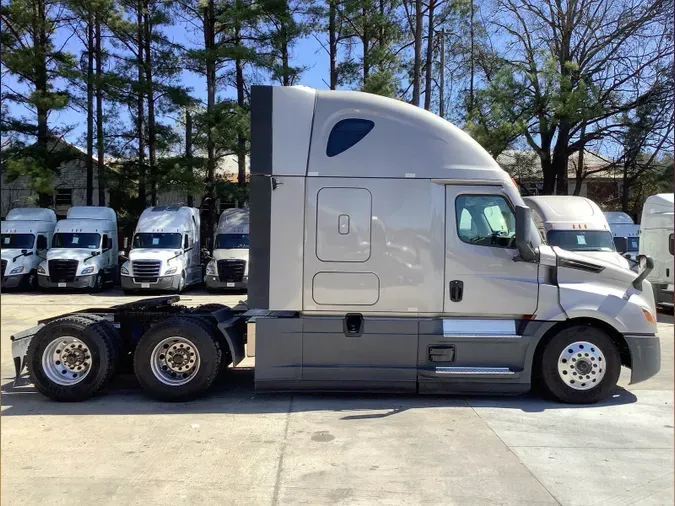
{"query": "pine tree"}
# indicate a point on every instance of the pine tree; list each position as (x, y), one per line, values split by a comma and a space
(38, 67)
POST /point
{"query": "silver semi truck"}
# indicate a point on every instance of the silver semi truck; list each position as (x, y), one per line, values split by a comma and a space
(388, 252)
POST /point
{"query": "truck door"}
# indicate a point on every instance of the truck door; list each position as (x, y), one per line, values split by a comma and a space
(481, 277)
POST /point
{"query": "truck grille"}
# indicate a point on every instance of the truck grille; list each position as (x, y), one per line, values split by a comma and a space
(4, 266)
(231, 270)
(62, 270)
(146, 271)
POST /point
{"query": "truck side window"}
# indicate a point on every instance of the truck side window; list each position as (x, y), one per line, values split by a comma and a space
(485, 220)
(185, 242)
(671, 244)
(41, 242)
(346, 133)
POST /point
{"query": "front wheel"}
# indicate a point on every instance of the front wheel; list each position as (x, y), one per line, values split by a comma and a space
(98, 283)
(580, 365)
(32, 281)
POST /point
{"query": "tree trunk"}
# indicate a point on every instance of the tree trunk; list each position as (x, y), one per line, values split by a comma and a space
(549, 174)
(241, 140)
(332, 43)
(152, 135)
(90, 108)
(441, 91)
(140, 130)
(417, 64)
(209, 43)
(99, 114)
(626, 183)
(580, 164)
(472, 71)
(285, 68)
(188, 150)
(430, 56)
(365, 39)
(41, 86)
(561, 158)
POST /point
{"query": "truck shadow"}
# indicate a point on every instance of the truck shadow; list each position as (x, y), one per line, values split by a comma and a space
(233, 393)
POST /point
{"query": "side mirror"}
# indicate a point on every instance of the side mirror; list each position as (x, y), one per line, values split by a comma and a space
(524, 233)
(646, 263)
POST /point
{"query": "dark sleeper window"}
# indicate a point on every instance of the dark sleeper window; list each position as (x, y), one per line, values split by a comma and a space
(347, 133)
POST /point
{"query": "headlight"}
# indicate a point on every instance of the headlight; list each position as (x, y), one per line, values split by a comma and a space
(211, 268)
(88, 270)
(41, 270)
(171, 270)
(124, 271)
(17, 270)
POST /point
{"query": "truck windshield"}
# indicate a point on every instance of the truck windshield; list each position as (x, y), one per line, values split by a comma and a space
(17, 241)
(157, 240)
(232, 241)
(581, 240)
(624, 244)
(67, 240)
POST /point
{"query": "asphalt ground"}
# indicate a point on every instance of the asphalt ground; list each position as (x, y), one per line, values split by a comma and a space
(238, 447)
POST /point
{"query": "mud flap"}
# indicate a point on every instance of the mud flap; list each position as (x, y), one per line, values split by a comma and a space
(20, 342)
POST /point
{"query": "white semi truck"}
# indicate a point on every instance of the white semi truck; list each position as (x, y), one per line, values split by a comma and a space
(575, 224)
(389, 252)
(229, 267)
(626, 234)
(657, 241)
(165, 253)
(83, 252)
(26, 237)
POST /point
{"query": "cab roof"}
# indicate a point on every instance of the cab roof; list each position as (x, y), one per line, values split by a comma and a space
(567, 212)
(173, 219)
(234, 221)
(85, 226)
(304, 132)
(26, 214)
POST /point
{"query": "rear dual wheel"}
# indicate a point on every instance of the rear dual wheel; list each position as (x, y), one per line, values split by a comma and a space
(73, 358)
(177, 360)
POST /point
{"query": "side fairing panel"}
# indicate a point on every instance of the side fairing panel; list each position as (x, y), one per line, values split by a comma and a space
(388, 261)
(286, 244)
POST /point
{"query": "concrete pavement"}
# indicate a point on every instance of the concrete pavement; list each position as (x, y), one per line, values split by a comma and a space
(236, 447)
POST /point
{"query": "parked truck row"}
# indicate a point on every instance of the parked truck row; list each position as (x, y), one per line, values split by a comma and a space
(388, 252)
(82, 251)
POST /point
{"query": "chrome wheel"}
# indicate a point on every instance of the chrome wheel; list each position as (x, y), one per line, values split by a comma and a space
(66, 361)
(581, 365)
(175, 361)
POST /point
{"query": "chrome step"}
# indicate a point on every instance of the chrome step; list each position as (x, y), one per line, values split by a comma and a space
(473, 371)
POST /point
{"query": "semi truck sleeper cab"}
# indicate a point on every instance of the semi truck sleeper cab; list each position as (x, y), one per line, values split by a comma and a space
(388, 252)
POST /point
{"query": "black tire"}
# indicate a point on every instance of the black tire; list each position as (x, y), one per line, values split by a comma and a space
(551, 380)
(224, 354)
(103, 352)
(183, 282)
(31, 281)
(99, 284)
(200, 337)
(113, 337)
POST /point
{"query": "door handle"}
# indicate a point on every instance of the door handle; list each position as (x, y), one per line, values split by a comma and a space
(456, 290)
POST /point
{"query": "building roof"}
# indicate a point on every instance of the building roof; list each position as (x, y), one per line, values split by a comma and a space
(526, 164)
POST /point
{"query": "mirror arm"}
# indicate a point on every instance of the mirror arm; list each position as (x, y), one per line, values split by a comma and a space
(649, 266)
